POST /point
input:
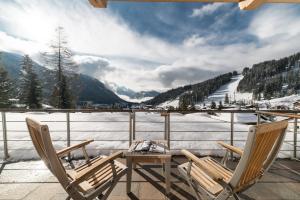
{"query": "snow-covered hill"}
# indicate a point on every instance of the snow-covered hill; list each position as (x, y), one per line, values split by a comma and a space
(231, 90)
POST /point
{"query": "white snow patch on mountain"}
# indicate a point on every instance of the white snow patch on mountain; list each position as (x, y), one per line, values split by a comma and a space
(230, 89)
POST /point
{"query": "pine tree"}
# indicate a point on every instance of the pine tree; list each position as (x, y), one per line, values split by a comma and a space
(5, 87)
(30, 89)
(60, 59)
(220, 105)
(213, 105)
(226, 100)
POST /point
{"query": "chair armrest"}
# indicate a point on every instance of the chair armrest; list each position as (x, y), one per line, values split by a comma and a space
(231, 148)
(92, 169)
(67, 150)
(210, 171)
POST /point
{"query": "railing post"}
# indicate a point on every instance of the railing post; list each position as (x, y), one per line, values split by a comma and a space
(169, 131)
(68, 133)
(295, 136)
(231, 131)
(133, 126)
(130, 129)
(4, 129)
(258, 118)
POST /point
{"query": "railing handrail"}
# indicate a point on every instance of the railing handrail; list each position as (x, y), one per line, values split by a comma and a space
(132, 121)
(17, 110)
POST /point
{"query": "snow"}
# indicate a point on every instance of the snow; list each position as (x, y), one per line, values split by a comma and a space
(230, 89)
(174, 103)
(134, 100)
(198, 131)
(286, 101)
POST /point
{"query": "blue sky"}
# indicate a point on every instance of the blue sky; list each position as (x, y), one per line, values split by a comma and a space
(158, 46)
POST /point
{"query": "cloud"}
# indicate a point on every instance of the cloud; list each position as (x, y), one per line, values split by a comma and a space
(194, 40)
(207, 9)
(94, 66)
(114, 51)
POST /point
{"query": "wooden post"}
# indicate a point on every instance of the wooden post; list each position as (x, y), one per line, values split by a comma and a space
(231, 132)
(4, 129)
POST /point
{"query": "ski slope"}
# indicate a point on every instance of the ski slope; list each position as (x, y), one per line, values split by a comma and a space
(230, 89)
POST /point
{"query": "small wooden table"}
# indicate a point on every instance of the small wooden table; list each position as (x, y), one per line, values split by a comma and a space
(149, 157)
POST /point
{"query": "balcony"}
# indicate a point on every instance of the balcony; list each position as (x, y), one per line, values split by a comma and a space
(23, 176)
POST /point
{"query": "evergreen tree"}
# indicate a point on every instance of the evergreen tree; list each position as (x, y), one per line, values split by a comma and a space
(220, 105)
(60, 59)
(30, 89)
(5, 87)
(226, 100)
(213, 105)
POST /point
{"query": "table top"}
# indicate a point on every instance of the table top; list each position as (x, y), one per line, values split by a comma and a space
(131, 153)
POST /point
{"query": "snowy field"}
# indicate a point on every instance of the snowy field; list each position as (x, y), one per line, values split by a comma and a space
(110, 131)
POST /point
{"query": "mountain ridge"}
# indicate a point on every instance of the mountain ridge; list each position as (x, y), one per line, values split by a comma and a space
(85, 87)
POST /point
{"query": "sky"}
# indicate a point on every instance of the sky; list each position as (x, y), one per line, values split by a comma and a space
(146, 46)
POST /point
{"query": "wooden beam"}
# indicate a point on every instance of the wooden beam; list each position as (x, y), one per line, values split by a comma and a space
(99, 3)
(250, 4)
(243, 4)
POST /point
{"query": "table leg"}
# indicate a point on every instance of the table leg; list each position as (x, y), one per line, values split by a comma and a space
(129, 174)
(168, 175)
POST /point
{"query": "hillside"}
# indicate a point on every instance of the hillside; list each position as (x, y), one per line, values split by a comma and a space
(273, 78)
(85, 87)
(191, 94)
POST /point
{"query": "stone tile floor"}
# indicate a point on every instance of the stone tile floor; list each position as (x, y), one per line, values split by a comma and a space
(33, 181)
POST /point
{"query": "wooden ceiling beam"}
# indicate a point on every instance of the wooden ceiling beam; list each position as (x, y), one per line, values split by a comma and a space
(250, 4)
(99, 3)
(243, 4)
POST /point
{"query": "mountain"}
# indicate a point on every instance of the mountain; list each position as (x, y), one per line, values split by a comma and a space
(132, 95)
(273, 78)
(191, 94)
(84, 86)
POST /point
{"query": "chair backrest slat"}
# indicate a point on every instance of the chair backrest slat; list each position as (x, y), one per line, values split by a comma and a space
(261, 149)
(34, 129)
(43, 144)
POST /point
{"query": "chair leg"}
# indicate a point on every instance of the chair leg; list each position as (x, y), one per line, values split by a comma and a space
(235, 196)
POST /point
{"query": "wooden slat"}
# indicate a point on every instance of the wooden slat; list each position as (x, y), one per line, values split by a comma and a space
(265, 139)
(204, 180)
(231, 148)
(212, 172)
(95, 167)
(72, 148)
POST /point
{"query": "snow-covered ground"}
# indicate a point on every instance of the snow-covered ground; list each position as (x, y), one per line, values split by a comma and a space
(283, 101)
(174, 103)
(110, 130)
(230, 89)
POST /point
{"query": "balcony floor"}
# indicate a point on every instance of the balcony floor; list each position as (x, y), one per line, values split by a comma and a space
(33, 181)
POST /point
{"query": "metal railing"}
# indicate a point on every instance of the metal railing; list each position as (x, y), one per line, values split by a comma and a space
(132, 126)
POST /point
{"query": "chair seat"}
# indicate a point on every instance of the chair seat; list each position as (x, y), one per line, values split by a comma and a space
(204, 179)
(99, 178)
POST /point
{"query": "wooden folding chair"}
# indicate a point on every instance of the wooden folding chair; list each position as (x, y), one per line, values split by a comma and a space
(94, 179)
(210, 179)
